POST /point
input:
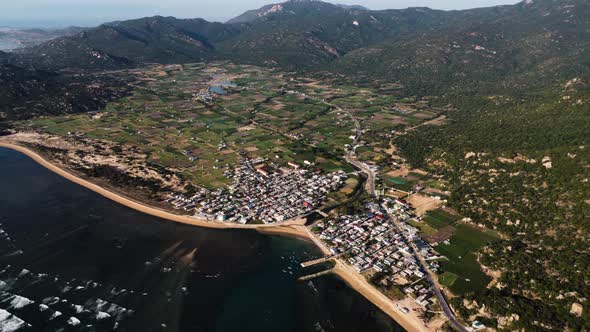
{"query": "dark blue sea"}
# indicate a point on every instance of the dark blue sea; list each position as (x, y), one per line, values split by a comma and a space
(72, 260)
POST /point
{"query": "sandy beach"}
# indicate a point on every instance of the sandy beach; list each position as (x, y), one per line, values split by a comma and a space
(409, 321)
(292, 228)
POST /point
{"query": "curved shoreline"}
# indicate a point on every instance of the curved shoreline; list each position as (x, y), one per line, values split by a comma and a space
(129, 202)
(292, 229)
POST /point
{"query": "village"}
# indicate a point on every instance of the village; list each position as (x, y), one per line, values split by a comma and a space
(372, 244)
(261, 193)
(270, 152)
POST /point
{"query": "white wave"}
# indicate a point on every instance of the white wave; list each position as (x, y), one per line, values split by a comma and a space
(102, 315)
(9, 322)
(110, 308)
(55, 315)
(23, 273)
(51, 300)
(73, 321)
(43, 307)
(18, 302)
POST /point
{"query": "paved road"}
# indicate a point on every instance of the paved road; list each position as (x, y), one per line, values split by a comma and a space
(371, 176)
(371, 183)
(363, 167)
(350, 158)
(431, 279)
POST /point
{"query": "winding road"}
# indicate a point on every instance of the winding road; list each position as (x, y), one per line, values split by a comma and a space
(371, 177)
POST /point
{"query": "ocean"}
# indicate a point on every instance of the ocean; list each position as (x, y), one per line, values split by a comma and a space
(72, 260)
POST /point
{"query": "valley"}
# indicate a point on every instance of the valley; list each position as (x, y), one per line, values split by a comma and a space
(440, 159)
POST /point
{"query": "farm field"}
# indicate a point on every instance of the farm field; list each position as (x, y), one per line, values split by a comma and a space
(462, 262)
(439, 219)
(201, 118)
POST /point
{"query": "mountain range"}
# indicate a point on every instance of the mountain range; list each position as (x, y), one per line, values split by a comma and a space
(532, 42)
(514, 78)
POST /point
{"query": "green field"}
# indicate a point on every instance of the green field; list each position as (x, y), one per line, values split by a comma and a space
(462, 262)
(258, 118)
(426, 229)
(398, 183)
(447, 279)
(439, 219)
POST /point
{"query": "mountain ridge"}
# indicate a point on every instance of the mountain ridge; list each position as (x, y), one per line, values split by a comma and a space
(482, 44)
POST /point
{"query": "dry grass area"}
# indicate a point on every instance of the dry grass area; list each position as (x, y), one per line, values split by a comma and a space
(396, 193)
(349, 186)
(438, 121)
(443, 234)
(435, 191)
(84, 153)
(424, 203)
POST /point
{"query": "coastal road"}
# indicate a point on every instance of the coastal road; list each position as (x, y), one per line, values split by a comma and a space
(431, 279)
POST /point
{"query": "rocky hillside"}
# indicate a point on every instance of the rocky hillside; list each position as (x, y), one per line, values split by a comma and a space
(28, 93)
(123, 44)
(530, 43)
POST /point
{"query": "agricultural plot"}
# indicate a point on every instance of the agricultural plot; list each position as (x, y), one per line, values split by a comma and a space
(462, 261)
(439, 219)
(447, 279)
(398, 183)
(199, 119)
(424, 228)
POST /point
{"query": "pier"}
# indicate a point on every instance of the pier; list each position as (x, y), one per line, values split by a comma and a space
(315, 275)
(319, 260)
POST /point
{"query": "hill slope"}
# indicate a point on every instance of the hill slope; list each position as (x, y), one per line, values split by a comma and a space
(536, 44)
(122, 44)
(28, 93)
(426, 50)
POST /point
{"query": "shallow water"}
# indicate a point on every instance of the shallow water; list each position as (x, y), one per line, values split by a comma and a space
(72, 260)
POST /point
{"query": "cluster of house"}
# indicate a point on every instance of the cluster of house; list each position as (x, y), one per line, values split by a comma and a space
(420, 293)
(261, 193)
(188, 203)
(205, 96)
(371, 242)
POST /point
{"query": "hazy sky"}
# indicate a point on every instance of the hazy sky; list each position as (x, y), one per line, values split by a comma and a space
(90, 12)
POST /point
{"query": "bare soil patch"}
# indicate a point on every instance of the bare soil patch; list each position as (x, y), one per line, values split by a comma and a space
(424, 203)
(443, 234)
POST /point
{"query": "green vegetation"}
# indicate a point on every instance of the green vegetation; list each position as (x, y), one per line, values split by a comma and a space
(513, 149)
(497, 177)
(465, 242)
(439, 219)
(447, 279)
(426, 229)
